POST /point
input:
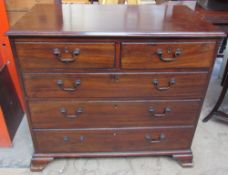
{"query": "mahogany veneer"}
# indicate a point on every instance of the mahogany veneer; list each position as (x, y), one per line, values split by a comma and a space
(113, 81)
(147, 52)
(113, 140)
(118, 85)
(112, 113)
(90, 55)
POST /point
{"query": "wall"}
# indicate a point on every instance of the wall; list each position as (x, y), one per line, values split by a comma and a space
(17, 8)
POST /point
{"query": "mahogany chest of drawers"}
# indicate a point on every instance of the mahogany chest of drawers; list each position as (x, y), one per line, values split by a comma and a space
(109, 81)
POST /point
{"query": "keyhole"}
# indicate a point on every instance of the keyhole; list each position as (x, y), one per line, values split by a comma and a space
(169, 50)
(82, 138)
(116, 106)
(116, 77)
(66, 50)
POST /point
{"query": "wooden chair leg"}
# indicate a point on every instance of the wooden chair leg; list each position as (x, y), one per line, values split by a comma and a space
(217, 105)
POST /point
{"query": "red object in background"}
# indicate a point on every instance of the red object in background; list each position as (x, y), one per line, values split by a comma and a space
(6, 57)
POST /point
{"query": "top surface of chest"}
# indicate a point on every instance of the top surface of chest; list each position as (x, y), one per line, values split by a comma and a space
(113, 21)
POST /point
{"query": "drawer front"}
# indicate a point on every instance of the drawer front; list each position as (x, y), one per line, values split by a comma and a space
(119, 140)
(116, 85)
(112, 114)
(171, 55)
(66, 55)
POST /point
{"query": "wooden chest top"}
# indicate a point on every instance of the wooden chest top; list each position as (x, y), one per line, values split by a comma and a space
(113, 21)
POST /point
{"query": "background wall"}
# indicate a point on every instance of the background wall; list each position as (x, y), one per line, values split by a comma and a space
(17, 8)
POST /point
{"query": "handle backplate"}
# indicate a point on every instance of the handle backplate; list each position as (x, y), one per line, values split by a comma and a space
(163, 114)
(159, 139)
(175, 54)
(164, 88)
(76, 84)
(58, 55)
(65, 114)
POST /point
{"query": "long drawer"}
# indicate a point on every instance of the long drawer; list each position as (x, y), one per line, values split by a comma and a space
(167, 55)
(112, 114)
(131, 85)
(118, 140)
(65, 55)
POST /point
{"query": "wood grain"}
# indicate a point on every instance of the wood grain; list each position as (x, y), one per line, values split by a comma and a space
(92, 55)
(144, 55)
(116, 85)
(115, 20)
(119, 140)
(109, 91)
(112, 114)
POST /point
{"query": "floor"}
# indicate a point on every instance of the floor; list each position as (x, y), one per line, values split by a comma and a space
(209, 148)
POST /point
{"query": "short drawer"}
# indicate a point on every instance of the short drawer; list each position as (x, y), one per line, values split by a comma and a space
(138, 85)
(112, 114)
(65, 55)
(167, 55)
(118, 140)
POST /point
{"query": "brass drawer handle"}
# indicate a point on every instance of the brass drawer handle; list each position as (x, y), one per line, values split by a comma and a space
(78, 112)
(58, 54)
(150, 139)
(156, 84)
(76, 84)
(67, 139)
(177, 53)
(163, 114)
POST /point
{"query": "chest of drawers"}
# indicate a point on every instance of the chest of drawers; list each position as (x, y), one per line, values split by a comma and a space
(133, 86)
